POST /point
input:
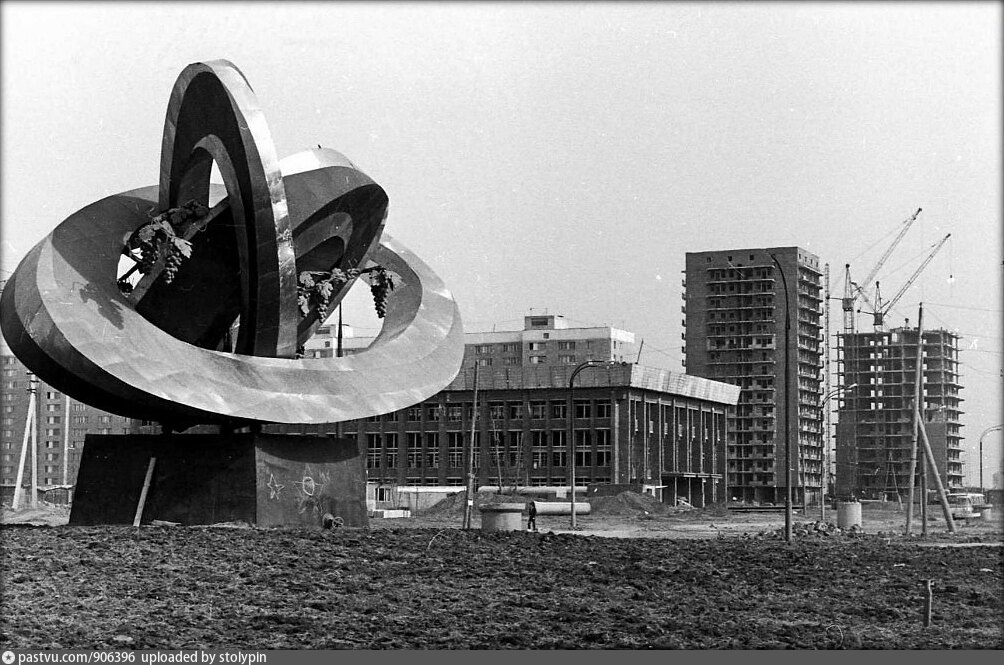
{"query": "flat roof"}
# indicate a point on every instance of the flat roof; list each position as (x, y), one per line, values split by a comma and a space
(618, 375)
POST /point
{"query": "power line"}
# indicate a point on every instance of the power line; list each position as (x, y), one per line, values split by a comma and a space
(874, 244)
(978, 370)
(979, 309)
(663, 352)
(996, 353)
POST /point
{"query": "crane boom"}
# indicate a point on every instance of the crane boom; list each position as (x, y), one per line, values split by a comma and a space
(882, 309)
(899, 236)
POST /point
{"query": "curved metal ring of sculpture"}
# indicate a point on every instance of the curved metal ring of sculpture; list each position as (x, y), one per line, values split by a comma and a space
(165, 351)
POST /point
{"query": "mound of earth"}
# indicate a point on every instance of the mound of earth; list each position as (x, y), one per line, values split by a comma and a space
(455, 503)
(628, 504)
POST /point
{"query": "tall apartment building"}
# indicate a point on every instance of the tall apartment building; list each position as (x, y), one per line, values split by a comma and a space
(61, 422)
(734, 306)
(629, 424)
(875, 415)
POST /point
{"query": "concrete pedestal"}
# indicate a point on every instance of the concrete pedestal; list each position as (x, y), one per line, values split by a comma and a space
(502, 516)
(262, 479)
(848, 514)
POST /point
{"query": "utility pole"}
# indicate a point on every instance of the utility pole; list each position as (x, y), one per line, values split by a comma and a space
(917, 396)
(338, 354)
(942, 495)
(66, 439)
(338, 345)
(923, 493)
(470, 455)
(31, 434)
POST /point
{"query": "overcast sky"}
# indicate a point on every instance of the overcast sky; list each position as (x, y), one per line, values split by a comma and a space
(564, 157)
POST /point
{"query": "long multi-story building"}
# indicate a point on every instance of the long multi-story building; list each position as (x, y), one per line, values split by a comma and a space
(875, 411)
(61, 425)
(629, 424)
(735, 307)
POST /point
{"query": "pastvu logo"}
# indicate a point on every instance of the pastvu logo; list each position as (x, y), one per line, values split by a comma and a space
(8, 657)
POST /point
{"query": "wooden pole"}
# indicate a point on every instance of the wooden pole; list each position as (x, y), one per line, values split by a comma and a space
(923, 494)
(66, 439)
(33, 401)
(29, 425)
(942, 496)
(917, 396)
(142, 495)
(570, 444)
(468, 509)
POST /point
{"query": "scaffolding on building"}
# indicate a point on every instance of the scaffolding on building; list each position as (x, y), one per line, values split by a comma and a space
(874, 426)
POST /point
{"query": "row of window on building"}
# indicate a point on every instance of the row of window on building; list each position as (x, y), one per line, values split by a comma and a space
(547, 449)
(534, 360)
(538, 410)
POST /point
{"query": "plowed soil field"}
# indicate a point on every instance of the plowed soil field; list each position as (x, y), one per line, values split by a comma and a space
(418, 587)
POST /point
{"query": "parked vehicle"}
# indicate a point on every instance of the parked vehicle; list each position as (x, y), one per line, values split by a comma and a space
(961, 504)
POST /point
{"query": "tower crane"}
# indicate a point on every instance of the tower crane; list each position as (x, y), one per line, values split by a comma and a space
(881, 309)
(852, 290)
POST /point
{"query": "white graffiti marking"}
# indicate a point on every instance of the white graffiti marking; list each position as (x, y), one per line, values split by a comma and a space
(274, 488)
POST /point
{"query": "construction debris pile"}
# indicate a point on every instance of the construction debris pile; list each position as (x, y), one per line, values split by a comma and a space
(815, 530)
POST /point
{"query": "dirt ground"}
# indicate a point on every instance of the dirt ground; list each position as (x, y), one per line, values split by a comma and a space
(694, 579)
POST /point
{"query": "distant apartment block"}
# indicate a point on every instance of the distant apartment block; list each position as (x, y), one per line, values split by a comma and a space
(61, 425)
(734, 323)
(875, 414)
(545, 341)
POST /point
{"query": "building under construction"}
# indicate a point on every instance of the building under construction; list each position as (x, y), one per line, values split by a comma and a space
(875, 412)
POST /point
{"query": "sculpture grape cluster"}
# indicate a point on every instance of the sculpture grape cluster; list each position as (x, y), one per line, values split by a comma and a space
(315, 288)
(166, 236)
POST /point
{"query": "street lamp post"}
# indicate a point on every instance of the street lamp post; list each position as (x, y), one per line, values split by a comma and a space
(787, 403)
(826, 471)
(569, 417)
(985, 432)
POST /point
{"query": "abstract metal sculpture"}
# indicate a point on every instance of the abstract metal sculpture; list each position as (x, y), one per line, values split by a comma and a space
(163, 351)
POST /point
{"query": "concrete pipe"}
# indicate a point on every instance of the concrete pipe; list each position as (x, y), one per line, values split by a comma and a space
(561, 508)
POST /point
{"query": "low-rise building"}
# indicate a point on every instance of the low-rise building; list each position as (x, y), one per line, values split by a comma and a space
(622, 423)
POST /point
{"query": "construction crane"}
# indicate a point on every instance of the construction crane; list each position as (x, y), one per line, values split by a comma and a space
(880, 308)
(853, 290)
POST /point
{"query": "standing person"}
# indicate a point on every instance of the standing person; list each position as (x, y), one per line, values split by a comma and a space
(531, 520)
